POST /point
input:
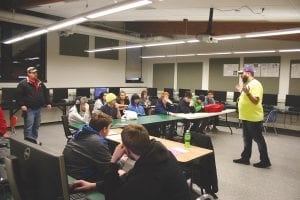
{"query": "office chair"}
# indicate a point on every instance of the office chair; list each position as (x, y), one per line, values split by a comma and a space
(270, 119)
(65, 122)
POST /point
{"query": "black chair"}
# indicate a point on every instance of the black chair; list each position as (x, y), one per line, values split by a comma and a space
(203, 171)
(65, 122)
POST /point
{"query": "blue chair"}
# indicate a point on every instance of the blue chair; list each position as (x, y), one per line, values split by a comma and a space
(270, 120)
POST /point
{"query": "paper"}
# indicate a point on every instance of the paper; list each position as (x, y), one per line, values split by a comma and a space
(269, 69)
(295, 70)
(178, 150)
(230, 69)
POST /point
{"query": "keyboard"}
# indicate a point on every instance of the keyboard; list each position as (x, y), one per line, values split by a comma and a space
(78, 196)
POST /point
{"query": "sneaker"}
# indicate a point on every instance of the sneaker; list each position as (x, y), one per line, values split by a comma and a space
(242, 161)
(262, 164)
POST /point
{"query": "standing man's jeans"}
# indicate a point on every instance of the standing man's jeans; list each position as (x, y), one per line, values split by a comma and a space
(32, 120)
(253, 130)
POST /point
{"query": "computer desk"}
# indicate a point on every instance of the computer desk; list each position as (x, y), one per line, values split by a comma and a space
(149, 119)
(181, 153)
(201, 115)
(91, 195)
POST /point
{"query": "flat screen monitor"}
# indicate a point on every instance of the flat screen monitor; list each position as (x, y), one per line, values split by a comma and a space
(292, 101)
(98, 91)
(201, 92)
(152, 92)
(83, 92)
(9, 95)
(220, 96)
(236, 95)
(170, 91)
(115, 90)
(35, 172)
(270, 99)
(182, 92)
(59, 94)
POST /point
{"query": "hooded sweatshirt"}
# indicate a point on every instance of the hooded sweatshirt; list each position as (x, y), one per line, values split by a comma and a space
(156, 175)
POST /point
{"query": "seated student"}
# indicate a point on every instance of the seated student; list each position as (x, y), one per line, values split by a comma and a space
(122, 101)
(3, 127)
(186, 105)
(100, 101)
(199, 103)
(155, 175)
(209, 99)
(80, 112)
(135, 105)
(87, 154)
(165, 106)
(110, 108)
(145, 102)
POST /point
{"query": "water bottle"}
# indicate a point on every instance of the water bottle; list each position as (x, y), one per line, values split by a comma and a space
(187, 139)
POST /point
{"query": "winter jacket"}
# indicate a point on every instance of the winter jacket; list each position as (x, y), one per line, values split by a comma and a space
(138, 109)
(87, 155)
(184, 107)
(28, 95)
(160, 108)
(3, 126)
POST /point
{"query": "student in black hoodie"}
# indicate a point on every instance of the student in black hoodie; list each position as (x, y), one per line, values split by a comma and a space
(155, 175)
(186, 105)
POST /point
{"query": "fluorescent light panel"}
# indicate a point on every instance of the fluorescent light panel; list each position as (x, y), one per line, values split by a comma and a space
(163, 43)
(229, 37)
(288, 50)
(273, 33)
(66, 23)
(118, 8)
(250, 52)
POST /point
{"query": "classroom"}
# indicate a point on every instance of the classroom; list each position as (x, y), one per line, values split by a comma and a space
(149, 99)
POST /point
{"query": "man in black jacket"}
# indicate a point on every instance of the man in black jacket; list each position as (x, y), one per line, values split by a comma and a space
(87, 154)
(32, 96)
(155, 175)
(186, 105)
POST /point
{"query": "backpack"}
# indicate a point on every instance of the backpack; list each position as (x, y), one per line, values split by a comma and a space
(214, 108)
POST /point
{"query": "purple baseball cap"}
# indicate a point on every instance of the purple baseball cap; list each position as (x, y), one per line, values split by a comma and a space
(247, 68)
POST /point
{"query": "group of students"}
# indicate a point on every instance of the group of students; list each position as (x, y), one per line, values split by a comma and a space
(155, 174)
(115, 107)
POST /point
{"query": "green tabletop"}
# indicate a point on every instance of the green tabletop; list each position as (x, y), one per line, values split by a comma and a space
(149, 119)
(92, 195)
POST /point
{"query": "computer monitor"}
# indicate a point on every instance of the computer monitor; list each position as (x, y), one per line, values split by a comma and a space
(292, 101)
(170, 91)
(59, 94)
(35, 172)
(201, 92)
(83, 92)
(152, 92)
(182, 92)
(9, 95)
(270, 99)
(98, 91)
(236, 95)
(220, 96)
(115, 90)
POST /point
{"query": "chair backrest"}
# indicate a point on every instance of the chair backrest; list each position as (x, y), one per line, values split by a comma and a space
(65, 122)
(271, 117)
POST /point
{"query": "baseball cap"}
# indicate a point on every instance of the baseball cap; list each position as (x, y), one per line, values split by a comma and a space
(110, 97)
(246, 69)
(31, 69)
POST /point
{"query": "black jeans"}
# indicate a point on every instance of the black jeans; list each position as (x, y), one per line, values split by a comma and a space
(253, 131)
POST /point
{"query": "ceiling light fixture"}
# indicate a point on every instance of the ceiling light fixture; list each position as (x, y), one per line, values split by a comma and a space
(229, 37)
(164, 43)
(273, 33)
(251, 52)
(180, 55)
(118, 8)
(127, 47)
(80, 18)
(288, 50)
(145, 57)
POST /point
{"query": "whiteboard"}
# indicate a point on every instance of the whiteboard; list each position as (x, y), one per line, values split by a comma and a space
(269, 69)
(295, 70)
(256, 68)
(230, 69)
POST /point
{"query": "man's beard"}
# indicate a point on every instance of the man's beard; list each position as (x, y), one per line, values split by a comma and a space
(245, 79)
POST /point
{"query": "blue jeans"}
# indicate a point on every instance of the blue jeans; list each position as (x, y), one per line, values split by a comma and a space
(253, 131)
(32, 120)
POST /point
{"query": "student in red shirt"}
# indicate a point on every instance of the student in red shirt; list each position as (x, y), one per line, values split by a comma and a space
(3, 127)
